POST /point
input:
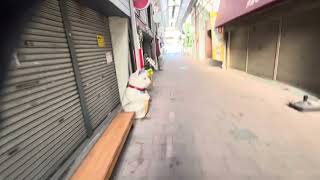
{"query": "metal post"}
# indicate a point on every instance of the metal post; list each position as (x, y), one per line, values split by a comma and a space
(276, 63)
(228, 50)
(247, 57)
(75, 66)
(135, 35)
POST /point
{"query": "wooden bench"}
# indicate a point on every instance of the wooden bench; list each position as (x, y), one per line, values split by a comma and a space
(101, 159)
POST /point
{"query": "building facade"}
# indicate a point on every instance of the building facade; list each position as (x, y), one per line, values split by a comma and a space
(274, 40)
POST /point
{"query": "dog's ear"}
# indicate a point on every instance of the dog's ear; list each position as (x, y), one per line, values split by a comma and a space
(141, 71)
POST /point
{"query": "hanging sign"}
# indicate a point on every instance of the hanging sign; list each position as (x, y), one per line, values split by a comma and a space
(141, 4)
(100, 41)
(109, 57)
(231, 9)
(217, 39)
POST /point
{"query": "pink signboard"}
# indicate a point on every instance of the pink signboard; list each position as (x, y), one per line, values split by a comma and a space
(231, 9)
(141, 4)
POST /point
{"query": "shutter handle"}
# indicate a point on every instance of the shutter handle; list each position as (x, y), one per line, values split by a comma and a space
(13, 151)
(61, 120)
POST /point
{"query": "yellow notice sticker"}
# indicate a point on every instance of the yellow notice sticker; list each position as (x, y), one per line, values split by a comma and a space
(100, 40)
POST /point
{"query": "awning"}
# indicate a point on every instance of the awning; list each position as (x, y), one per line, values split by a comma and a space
(108, 7)
(231, 9)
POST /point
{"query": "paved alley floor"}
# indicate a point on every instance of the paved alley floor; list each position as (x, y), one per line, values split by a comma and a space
(211, 124)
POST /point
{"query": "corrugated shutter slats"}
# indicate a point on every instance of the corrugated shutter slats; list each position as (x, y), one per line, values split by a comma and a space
(42, 121)
(98, 76)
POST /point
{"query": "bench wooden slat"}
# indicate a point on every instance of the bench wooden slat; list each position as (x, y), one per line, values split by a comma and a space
(101, 159)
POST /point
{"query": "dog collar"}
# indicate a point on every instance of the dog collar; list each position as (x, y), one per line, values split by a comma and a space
(137, 88)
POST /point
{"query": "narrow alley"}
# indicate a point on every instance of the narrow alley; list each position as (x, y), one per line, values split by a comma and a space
(160, 90)
(208, 123)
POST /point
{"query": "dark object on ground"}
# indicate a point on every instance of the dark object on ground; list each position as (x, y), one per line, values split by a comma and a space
(215, 63)
(306, 105)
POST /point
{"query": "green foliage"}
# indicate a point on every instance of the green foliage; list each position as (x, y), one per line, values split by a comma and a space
(188, 39)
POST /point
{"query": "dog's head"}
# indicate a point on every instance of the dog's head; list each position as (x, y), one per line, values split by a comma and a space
(140, 79)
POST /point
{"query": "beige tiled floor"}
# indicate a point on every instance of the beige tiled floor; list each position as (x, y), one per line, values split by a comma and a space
(207, 123)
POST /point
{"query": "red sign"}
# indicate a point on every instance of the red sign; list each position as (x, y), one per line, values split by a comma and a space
(231, 9)
(141, 4)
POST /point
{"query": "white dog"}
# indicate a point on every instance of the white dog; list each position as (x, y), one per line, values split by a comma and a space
(136, 98)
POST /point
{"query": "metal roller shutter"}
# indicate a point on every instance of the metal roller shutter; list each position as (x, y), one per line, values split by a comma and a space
(42, 121)
(98, 76)
(262, 48)
(299, 50)
(238, 48)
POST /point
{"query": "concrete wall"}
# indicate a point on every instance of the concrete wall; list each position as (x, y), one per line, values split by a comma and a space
(120, 44)
(202, 41)
(238, 48)
(262, 48)
(123, 5)
(201, 23)
(299, 60)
